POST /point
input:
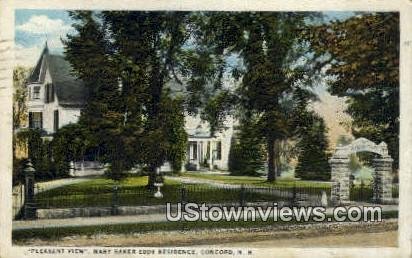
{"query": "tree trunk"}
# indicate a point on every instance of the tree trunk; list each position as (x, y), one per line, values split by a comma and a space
(277, 153)
(271, 157)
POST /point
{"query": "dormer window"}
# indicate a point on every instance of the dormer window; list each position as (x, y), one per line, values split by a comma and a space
(36, 92)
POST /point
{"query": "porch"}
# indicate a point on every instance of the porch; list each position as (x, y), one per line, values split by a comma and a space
(203, 153)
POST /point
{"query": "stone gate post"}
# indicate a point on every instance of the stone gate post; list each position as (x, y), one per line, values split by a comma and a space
(382, 179)
(29, 203)
(340, 174)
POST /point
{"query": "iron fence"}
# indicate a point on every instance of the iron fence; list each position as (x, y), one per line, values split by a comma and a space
(197, 193)
(364, 193)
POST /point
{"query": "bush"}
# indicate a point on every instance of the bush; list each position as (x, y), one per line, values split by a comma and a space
(18, 170)
(49, 158)
(245, 160)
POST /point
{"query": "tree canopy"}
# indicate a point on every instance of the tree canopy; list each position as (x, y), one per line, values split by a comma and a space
(130, 62)
(361, 57)
(271, 70)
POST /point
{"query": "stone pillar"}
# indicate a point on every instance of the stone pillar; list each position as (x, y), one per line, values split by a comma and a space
(382, 179)
(340, 174)
(29, 202)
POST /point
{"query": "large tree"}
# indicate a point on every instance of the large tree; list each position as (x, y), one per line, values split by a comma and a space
(130, 61)
(361, 56)
(271, 69)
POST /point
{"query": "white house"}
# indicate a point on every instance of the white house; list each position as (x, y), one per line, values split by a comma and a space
(56, 97)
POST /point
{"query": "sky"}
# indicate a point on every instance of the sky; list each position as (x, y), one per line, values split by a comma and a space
(34, 27)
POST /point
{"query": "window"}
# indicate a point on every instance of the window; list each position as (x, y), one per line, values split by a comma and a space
(36, 92)
(56, 120)
(49, 93)
(36, 120)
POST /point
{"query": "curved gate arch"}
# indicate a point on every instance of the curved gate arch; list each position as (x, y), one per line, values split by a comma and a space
(340, 172)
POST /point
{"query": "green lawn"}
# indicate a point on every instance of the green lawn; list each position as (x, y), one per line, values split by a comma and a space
(256, 181)
(98, 192)
(132, 192)
(102, 185)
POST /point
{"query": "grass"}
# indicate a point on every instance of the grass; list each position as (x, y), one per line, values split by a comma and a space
(98, 192)
(256, 181)
(104, 185)
(58, 233)
(132, 192)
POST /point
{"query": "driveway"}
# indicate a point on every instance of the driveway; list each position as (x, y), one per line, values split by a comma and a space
(45, 186)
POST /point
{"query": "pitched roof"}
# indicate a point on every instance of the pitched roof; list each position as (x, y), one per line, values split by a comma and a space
(70, 90)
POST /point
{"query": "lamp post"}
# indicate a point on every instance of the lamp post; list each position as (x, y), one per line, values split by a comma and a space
(29, 203)
(158, 183)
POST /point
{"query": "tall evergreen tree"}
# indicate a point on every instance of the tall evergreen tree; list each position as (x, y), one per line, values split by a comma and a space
(312, 145)
(91, 54)
(247, 155)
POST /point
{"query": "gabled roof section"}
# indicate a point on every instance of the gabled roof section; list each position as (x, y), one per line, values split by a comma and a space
(70, 90)
(37, 75)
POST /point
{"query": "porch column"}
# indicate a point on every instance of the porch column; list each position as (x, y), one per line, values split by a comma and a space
(382, 180)
(199, 152)
(210, 155)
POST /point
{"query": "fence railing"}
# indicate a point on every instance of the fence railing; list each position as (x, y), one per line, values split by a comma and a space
(197, 193)
(364, 193)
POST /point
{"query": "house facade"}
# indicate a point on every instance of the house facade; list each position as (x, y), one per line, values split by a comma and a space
(56, 98)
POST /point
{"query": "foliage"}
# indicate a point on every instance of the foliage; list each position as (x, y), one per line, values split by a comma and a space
(19, 97)
(246, 156)
(128, 59)
(69, 143)
(40, 153)
(18, 171)
(313, 143)
(268, 46)
(19, 120)
(361, 56)
(51, 159)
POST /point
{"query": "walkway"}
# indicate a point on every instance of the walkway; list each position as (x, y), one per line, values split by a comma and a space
(88, 221)
(45, 186)
(190, 180)
(113, 220)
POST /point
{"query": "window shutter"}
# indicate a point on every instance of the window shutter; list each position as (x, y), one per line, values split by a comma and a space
(52, 92)
(41, 120)
(56, 120)
(46, 93)
(30, 120)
